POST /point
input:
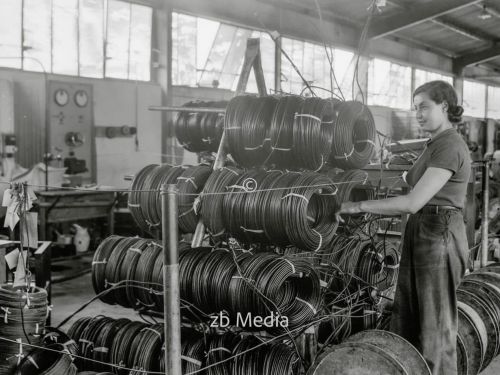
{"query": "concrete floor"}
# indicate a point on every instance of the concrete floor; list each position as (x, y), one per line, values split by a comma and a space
(68, 296)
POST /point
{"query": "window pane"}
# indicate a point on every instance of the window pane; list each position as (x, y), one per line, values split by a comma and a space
(37, 43)
(315, 63)
(184, 43)
(423, 76)
(91, 38)
(493, 102)
(65, 37)
(474, 99)
(140, 43)
(10, 33)
(118, 37)
(211, 54)
(389, 84)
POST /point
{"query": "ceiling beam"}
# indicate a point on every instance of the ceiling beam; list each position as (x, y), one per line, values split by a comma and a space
(487, 54)
(462, 30)
(418, 14)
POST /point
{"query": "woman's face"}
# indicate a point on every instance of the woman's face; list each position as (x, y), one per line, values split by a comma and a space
(430, 115)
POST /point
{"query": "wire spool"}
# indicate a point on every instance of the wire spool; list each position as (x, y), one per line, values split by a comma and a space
(219, 349)
(281, 131)
(24, 312)
(190, 183)
(313, 129)
(148, 350)
(130, 271)
(379, 264)
(198, 131)
(212, 198)
(489, 295)
(489, 320)
(103, 343)
(88, 339)
(273, 359)
(193, 356)
(247, 124)
(143, 296)
(273, 221)
(55, 336)
(134, 196)
(120, 346)
(308, 209)
(148, 198)
(353, 136)
(100, 262)
(44, 362)
(234, 201)
(284, 286)
(473, 333)
(357, 358)
(403, 351)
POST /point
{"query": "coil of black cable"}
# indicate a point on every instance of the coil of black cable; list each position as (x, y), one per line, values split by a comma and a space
(247, 125)
(212, 198)
(353, 137)
(23, 312)
(46, 362)
(148, 350)
(197, 131)
(281, 131)
(219, 349)
(120, 347)
(313, 132)
(87, 341)
(135, 194)
(103, 343)
(100, 262)
(309, 211)
(190, 183)
(143, 275)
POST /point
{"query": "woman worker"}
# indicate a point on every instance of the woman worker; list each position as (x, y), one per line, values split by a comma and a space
(435, 250)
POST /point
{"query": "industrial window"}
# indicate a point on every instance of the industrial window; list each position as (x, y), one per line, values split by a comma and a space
(493, 102)
(208, 53)
(389, 84)
(474, 99)
(313, 63)
(423, 76)
(10, 33)
(70, 36)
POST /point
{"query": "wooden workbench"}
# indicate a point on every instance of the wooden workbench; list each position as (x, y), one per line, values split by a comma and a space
(59, 206)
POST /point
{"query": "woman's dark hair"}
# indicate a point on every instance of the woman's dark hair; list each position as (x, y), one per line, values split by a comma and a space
(440, 91)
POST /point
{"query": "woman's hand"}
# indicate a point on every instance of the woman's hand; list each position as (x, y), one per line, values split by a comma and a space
(347, 208)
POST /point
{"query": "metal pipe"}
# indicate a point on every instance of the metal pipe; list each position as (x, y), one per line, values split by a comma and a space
(171, 292)
(485, 209)
(187, 109)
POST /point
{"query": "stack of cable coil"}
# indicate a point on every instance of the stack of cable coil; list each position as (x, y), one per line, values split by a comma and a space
(360, 263)
(138, 346)
(200, 131)
(282, 208)
(145, 199)
(294, 132)
(353, 136)
(23, 313)
(54, 357)
(247, 125)
(211, 280)
(212, 198)
(478, 340)
(313, 130)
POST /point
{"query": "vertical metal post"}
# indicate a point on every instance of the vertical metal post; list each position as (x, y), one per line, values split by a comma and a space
(171, 293)
(485, 209)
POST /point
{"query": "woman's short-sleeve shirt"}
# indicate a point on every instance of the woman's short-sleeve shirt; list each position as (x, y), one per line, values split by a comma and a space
(449, 151)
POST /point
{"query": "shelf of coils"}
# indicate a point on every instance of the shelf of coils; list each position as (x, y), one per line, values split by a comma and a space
(274, 263)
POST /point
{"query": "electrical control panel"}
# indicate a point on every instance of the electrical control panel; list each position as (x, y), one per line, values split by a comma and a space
(70, 118)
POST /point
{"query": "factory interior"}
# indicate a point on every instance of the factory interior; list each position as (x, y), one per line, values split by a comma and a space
(250, 187)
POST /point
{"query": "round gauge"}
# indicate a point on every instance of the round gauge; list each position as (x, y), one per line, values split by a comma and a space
(81, 98)
(61, 97)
